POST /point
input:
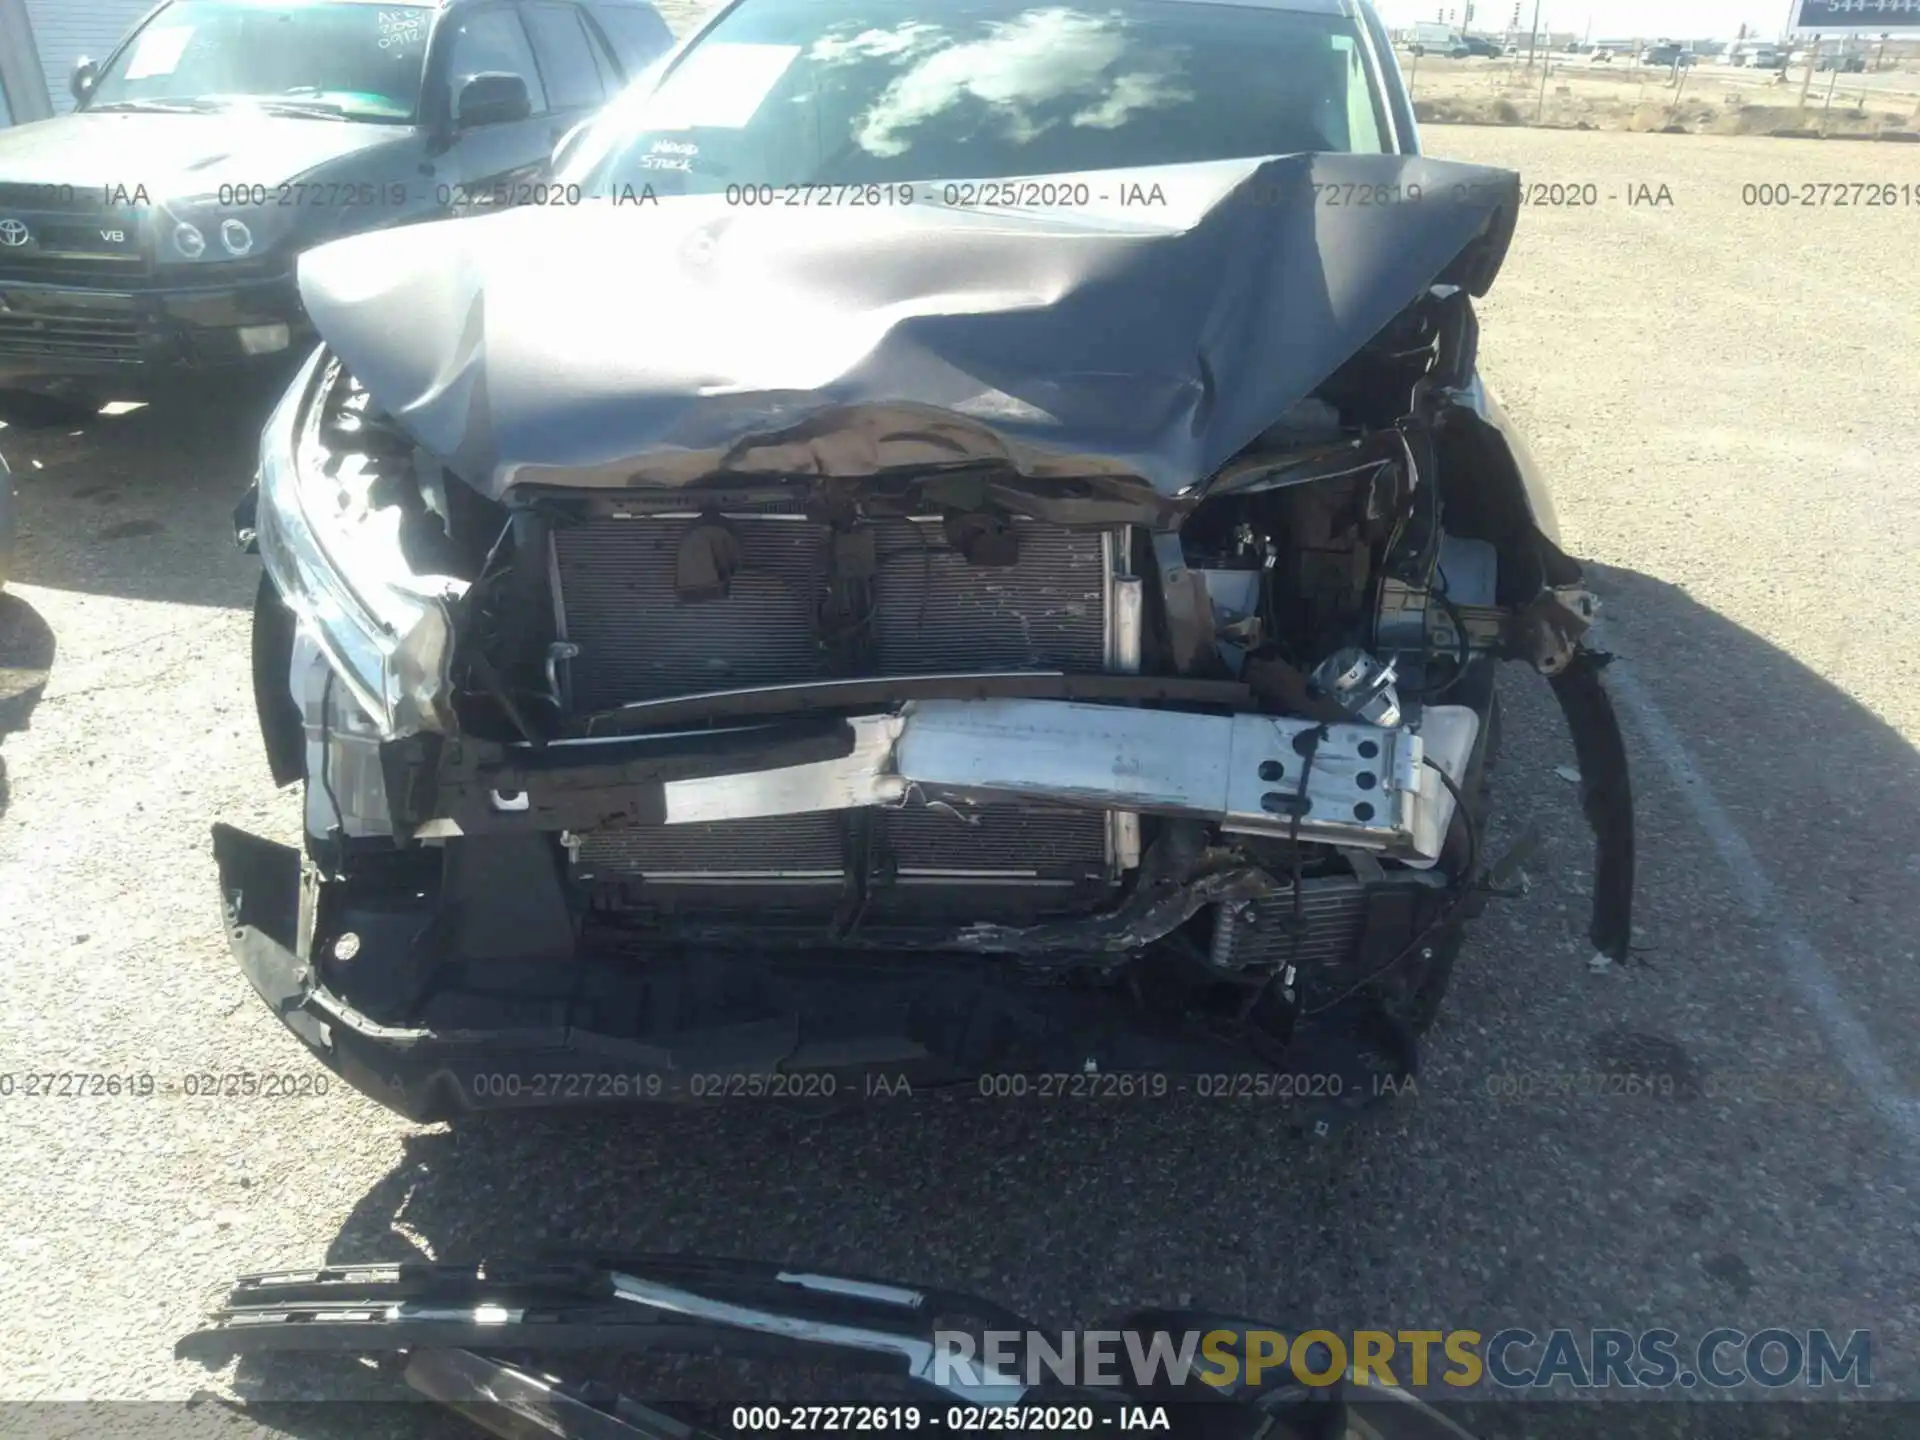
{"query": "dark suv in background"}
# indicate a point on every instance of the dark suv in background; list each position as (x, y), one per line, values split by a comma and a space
(150, 236)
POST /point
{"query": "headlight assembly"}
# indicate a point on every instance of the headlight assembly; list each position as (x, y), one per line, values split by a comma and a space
(189, 240)
(204, 231)
(337, 561)
(236, 237)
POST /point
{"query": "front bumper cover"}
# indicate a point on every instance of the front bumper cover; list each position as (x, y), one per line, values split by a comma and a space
(749, 1011)
(756, 1025)
(457, 1326)
(64, 336)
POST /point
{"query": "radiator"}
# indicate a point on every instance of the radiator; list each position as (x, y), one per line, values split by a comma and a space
(787, 848)
(914, 846)
(934, 613)
(1262, 935)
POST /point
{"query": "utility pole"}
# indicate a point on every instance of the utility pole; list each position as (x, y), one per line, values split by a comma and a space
(1533, 41)
(1806, 85)
(1680, 70)
(1546, 69)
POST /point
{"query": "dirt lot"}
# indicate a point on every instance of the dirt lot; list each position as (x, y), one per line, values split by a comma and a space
(1726, 396)
(1572, 92)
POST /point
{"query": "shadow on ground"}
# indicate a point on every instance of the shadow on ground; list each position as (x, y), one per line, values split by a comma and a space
(1808, 778)
(1073, 1212)
(139, 504)
(26, 658)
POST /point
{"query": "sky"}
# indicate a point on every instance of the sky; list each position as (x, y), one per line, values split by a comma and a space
(1624, 19)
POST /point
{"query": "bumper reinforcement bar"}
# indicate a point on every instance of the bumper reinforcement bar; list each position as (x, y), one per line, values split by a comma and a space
(1363, 786)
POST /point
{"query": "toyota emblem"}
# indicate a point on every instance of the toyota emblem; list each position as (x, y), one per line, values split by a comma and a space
(14, 233)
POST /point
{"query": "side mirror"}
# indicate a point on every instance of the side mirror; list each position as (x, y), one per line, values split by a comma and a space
(492, 98)
(80, 83)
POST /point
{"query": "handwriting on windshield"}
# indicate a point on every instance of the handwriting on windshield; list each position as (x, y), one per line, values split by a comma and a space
(401, 28)
(670, 155)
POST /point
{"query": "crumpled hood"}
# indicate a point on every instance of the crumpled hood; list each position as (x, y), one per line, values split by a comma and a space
(1151, 334)
(175, 156)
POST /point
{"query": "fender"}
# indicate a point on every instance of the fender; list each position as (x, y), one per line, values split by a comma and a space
(1505, 499)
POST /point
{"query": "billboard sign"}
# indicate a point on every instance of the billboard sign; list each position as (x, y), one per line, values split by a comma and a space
(1872, 16)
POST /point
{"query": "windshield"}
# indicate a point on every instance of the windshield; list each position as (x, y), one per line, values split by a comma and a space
(861, 92)
(355, 60)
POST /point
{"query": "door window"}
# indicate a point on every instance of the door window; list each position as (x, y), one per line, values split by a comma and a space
(610, 77)
(566, 64)
(638, 34)
(491, 41)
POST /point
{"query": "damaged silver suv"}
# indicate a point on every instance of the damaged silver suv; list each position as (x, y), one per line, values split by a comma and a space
(977, 547)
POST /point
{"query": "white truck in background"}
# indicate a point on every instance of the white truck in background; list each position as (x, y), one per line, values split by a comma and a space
(1432, 35)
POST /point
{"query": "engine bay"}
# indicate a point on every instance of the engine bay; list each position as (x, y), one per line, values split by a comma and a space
(1316, 579)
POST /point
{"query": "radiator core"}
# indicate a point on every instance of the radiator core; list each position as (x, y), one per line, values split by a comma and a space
(933, 612)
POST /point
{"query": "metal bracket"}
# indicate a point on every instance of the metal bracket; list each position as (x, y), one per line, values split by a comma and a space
(1547, 630)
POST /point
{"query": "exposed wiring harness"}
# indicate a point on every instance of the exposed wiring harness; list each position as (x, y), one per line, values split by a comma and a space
(475, 603)
(1297, 923)
(1421, 572)
(1463, 644)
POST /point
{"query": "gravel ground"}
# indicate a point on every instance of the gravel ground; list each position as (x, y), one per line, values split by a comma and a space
(1715, 99)
(1726, 398)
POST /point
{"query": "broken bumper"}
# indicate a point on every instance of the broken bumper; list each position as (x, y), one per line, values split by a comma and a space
(716, 1026)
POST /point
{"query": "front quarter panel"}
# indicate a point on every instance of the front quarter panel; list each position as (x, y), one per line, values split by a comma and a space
(1482, 403)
